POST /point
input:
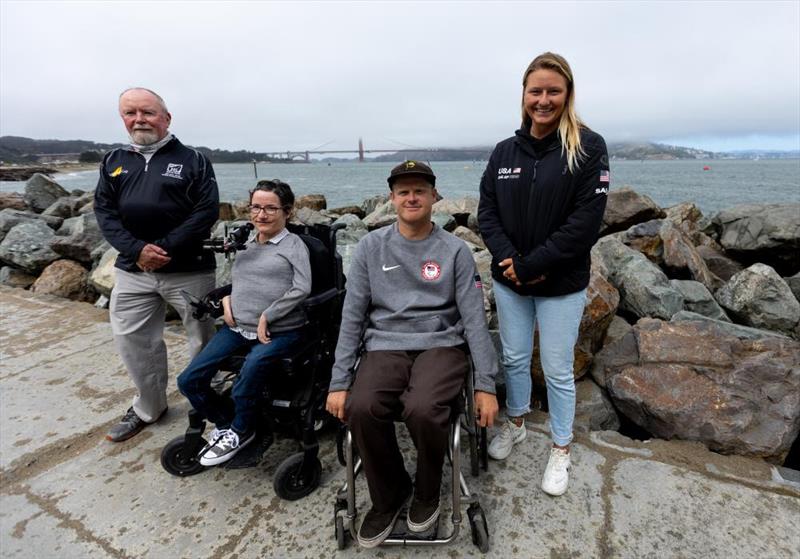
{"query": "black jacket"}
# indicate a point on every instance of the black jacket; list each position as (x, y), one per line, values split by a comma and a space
(172, 202)
(532, 209)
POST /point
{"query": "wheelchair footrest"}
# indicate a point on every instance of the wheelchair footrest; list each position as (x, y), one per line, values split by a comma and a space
(401, 530)
(251, 455)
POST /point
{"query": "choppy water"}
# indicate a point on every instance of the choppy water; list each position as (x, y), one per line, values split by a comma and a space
(726, 184)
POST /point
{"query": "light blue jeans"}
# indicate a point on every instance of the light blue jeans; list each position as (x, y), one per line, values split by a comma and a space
(559, 319)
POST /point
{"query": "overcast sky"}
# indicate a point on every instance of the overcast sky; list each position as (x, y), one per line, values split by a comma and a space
(274, 76)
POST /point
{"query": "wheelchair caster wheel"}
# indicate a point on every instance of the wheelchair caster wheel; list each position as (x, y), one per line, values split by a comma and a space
(177, 461)
(341, 541)
(295, 477)
(478, 527)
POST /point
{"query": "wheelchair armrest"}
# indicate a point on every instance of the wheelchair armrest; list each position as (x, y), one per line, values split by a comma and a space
(321, 298)
(220, 292)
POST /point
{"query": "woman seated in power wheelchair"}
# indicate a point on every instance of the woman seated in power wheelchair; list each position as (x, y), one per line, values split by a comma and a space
(278, 339)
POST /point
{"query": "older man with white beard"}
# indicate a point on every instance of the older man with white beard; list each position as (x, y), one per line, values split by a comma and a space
(155, 202)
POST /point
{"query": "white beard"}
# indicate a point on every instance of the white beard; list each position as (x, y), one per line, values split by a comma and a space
(144, 137)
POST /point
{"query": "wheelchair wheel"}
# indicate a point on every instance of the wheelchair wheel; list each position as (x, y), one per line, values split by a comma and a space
(341, 542)
(177, 461)
(478, 527)
(294, 481)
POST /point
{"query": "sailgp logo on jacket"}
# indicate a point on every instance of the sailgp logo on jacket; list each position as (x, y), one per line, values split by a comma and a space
(431, 271)
(118, 171)
(508, 173)
(173, 171)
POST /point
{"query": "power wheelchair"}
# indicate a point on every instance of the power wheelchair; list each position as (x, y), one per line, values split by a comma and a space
(462, 417)
(293, 402)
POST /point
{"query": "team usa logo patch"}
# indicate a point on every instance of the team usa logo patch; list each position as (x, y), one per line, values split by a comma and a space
(431, 271)
(173, 171)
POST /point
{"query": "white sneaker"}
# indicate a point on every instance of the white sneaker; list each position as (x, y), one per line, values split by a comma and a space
(225, 448)
(211, 440)
(504, 441)
(556, 474)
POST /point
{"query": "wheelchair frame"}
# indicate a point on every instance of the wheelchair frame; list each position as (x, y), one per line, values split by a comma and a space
(345, 511)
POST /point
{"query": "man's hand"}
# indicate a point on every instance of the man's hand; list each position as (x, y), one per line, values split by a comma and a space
(227, 313)
(263, 331)
(511, 274)
(335, 404)
(486, 408)
(152, 257)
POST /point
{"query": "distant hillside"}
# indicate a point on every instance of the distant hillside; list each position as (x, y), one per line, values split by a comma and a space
(650, 150)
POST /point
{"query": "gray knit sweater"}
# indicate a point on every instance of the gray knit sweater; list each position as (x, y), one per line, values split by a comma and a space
(272, 279)
(413, 295)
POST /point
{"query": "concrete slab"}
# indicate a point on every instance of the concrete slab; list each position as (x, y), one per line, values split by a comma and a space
(66, 492)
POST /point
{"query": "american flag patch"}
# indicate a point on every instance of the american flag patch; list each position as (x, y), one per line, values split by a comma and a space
(604, 176)
(516, 170)
(477, 280)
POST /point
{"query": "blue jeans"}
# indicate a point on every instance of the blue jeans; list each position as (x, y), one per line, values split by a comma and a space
(240, 414)
(559, 319)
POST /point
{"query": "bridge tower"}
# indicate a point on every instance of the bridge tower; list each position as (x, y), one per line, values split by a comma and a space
(360, 150)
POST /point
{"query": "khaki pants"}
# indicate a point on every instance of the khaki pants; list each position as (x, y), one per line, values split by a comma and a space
(138, 308)
(417, 387)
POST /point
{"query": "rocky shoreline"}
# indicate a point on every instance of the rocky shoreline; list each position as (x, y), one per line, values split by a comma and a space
(690, 331)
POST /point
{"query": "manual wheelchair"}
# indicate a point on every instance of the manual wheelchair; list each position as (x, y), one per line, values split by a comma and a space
(293, 402)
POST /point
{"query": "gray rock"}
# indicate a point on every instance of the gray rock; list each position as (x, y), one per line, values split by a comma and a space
(616, 329)
(693, 381)
(593, 408)
(307, 216)
(224, 269)
(644, 290)
(483, 261)
(459, 208)
(63, 207)
(468, 235)
(344, 210)
(83, 237)
(382, 215)
(719, 264)
(445, 221)
(794, 284)
(698, 299)
(346, 241)
(743, 332)
(370, 204)
(312, 201)
(41, 191)
(757, 296)
(766, 233)
(351, 222)
(10, 217)
(27, 246)
(13, 277)
(626, 207)
(472, 224)
(671, 249)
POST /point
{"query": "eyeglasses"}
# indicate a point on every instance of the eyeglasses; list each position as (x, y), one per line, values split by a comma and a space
(255, 209)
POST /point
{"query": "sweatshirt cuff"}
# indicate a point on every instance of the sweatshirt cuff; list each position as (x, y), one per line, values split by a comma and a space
(489, 387)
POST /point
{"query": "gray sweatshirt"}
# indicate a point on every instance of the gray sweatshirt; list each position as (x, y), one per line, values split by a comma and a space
(413, 295)
(271, 279)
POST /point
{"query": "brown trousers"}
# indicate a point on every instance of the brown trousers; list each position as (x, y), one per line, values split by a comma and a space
(417, 387)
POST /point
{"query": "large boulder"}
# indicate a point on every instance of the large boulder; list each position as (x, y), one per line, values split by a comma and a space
(459, 208)
(469, 236)
(626, 207)
(687, 217)
(13, 200)
(63, 207)
(766, 233)
(41, 191)
(27, 246)
(669, 247)
(102, 277)
(65, 278)
(9, 218)
(691, 381)
(344, 210)
(383, 214)
(794, 284)
(347, 238)
(83, 236)
(759, 297)
(370, 204)
(312, 201)
(696, 298)
(602, 300)
(743, 332)
(644, 290)
(307, 216)
(445, 221)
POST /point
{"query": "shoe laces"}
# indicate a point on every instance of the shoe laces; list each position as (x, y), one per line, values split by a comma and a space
(130, 415)
(559, 459)
(214, 435)
(228, 438)
(507, 432)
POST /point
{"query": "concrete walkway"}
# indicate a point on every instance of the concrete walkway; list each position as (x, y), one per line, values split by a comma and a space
(66, 492)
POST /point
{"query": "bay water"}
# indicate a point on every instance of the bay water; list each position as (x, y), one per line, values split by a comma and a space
(726, 183)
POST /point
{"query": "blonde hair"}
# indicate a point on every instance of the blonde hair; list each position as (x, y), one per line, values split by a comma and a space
(569, 127)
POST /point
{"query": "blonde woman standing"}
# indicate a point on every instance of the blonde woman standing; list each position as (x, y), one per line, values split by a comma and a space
(542, 200)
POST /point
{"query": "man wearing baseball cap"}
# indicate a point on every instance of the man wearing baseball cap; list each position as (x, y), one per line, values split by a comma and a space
(415, 298)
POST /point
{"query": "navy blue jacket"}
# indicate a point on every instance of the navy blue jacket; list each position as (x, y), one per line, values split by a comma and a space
(172, 202)
(533, 210)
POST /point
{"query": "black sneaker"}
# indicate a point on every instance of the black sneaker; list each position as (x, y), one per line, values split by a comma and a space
(377, 526)
(422, 514)
(129, 425)
(225, 447)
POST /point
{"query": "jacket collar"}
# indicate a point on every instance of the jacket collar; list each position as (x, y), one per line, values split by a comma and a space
(537, 147)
